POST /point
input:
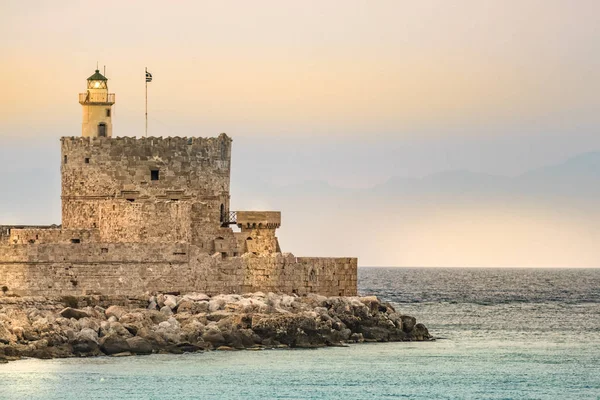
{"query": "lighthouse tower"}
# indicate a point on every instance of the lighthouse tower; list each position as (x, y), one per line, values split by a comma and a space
(97, 107)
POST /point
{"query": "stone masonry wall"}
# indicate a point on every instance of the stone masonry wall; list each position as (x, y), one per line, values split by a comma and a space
(135, 269)
(94, 170)
(140, 221)
(56, 235)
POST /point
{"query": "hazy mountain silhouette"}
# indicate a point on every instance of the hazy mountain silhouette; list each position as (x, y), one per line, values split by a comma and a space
(577, 177)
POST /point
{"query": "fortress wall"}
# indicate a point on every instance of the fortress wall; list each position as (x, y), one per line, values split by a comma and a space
(206, 227)
(301, 275)
(96, 169)
(134, 269)
(260, 241)
(144, 221)
(54, 235)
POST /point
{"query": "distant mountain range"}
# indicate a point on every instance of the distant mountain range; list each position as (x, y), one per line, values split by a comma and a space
(576, 178)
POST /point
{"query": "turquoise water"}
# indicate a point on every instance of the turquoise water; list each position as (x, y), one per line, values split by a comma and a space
(516, 334)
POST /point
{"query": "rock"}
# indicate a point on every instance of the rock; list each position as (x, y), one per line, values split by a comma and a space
(87, 334)
(225, 348)
(214, 337)
(89, 323)
(408, 323)
(40, 328)
(420, 333)
(160, 300)
(113, 344)
(187, 306)
(5, 335)
(196, 297)
(166, 310)
(152, 305)
(188, 347)
(170, 301)
(115, 311)
(216, 304)
(123, 354)
(139, 345)
(74, 313)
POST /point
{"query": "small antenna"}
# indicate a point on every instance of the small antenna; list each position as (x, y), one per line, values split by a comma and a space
(104, 71)
(96, 65)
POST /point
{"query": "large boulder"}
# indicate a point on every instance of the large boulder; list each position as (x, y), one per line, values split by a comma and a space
(86, 342)
(139, 345)
(74, 313)
(214, 337)
(408, 323)
(113, 344)
(420, 333)
(115, 311)
(6, 336)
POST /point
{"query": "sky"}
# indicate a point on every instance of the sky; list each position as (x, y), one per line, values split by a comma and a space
(351, 94)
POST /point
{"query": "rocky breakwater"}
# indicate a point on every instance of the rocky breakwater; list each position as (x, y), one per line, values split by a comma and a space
(166, 323)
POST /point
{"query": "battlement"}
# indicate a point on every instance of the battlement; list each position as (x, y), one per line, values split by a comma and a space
(159, 141)
(258, 219)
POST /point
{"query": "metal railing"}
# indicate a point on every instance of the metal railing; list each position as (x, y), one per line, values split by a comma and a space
(86, 98)
(229, 218)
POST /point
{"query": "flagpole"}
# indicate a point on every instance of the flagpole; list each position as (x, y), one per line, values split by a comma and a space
(146, 80)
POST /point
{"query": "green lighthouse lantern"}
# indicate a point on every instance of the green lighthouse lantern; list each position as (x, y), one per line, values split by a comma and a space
(97, 81)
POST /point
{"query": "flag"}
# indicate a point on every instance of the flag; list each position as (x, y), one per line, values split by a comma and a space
(148, 77)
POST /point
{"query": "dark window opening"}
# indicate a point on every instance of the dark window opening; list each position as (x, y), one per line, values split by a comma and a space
(131, 200)
(73, 282)
(179, 254)
(154, 175)
(104, 250)
(108, 112)
(224, 255)
(75, 240)
(87, 160)
(102, 129)
(65, 159)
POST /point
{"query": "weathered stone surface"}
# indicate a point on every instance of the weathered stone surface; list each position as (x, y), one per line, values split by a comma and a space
(115, 311)
(74, 313)
(113, 344)
(139, 345)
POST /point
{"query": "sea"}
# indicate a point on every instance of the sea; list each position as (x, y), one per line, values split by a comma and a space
(501, 334)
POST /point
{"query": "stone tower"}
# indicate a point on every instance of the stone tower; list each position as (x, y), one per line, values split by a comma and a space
(97, 107)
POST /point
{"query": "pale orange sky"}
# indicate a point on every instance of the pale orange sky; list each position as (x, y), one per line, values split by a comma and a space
(347, 92)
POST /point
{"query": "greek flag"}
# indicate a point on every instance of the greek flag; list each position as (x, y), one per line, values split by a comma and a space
(148, 77)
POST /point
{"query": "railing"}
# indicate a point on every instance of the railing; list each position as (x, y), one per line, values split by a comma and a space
(86, 98)
(229, 218)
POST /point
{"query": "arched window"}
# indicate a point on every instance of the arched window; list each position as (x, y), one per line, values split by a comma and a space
(101, 129)
(223, 213)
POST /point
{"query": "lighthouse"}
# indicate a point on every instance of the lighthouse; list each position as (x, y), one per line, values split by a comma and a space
(97, 107)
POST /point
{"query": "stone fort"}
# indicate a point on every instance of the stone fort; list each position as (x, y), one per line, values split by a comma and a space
(152, 214)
